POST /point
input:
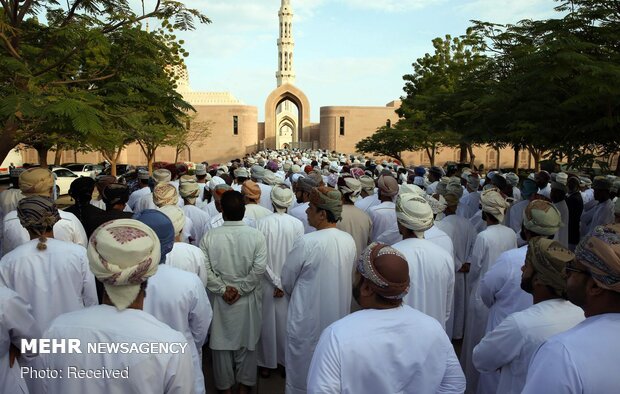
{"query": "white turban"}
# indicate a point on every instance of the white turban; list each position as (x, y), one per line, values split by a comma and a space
(176, 216)
(162, 175)
(494, 203)
(408, 188)
(562, 178)
(281, 197)
(122, 254)
(216, 180)
(438, 205)
(413, 212)
(454, 187)
(271, 179)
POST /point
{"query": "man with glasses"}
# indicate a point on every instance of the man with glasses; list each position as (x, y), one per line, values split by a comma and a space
(584, 359)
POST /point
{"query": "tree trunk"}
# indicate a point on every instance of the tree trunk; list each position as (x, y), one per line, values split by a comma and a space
(177, 151)
(617, 172)
(536, 154)
(463, 155)
(75, 155)
(515, 165)
(42, 153)
(472, 157)
(499, 165)
(149, 160)
(57, 156)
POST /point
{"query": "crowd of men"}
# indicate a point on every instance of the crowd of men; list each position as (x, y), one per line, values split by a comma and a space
(351, 275)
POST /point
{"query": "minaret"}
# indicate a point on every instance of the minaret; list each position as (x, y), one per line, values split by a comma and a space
(286, 71)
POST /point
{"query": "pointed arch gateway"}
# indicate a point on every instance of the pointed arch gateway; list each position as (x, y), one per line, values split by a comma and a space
(296, 96)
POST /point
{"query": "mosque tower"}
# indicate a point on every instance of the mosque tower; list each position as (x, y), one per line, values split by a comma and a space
(286, 71)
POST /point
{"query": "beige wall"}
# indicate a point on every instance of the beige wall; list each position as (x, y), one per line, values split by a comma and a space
(360, 122)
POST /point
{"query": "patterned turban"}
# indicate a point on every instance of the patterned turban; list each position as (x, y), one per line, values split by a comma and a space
(123, 254)
(36, 182)
(415, 189)
(176, 216)
(162, 175)
(316, 177)
(549, 258)
(600, 252)
(163, 227)
(258, 172)
(306, 184)
(332, 180)
(188, 189)
(494, 203)
(368, 184)
(272, 166)
(377, 254)
(165, 194)
(414, 212)
(438, 204)
(442, 186)
(454, 187)
(542, 217)
(329, 199)
(350, 186)
(512, 179)
(251, 190)
(357, 172)
(241, 172)
(115, 193)
(37, 214)
(452, 200)
(281, 197)
(388, 185)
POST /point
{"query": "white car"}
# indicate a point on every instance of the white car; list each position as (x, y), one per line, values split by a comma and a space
(64, 177)
(91, 170)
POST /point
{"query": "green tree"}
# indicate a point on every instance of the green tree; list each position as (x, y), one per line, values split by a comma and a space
(389, 141)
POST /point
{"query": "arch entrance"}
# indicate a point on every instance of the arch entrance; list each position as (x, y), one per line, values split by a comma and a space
(287, 117)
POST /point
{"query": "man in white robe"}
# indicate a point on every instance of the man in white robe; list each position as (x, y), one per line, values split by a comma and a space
(252, 195)
(302, 194)
(489, 245)
(470, 203)
(463, 235)
(387, 347)
(144, 189)
(600, 213)
(16, 324)
(281, 231)
(383, 216)
(258, 175)
(189, 190)
(584, 359)
(368, 196)
(542, 179)
(40, 182)
(514, 214)
(434, 176)
(241, 175)
(176, 297)
(431, 269)
(354, 221)
(217, 220)
(317, 278)
(120, 319)
(51, 275)
(236, 257)
(509, 347)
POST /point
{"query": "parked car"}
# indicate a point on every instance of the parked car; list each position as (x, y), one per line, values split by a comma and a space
(120, 169)
(64, 177)
(85, 169)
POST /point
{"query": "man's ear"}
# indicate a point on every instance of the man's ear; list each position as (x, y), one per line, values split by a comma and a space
(593, 289)
(366, 290)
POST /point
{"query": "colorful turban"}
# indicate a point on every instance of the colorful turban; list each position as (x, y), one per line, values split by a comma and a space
(415, 189)
(115, 193)
(281, 196)
(454, 187)
(494, 203)
(329, 199)
(356, 172)
(549, 259)
(438, 204)
(37, 213)
(251, 190)
(306, 184)
(600, 252)
(542, 217)
(350, 186)
(176, 216)
(414, 212)
(419, 171)
(123, 254)
(163, 227)
(368, 184)
(388, 185)
(512, 179)
(36, 182)
(379, 254)
(272, 166)
(442, 186)
(162, 175)
(165, 194)
(332, 180)
(188, 189)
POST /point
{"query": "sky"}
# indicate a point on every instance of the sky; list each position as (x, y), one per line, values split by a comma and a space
(347, 52)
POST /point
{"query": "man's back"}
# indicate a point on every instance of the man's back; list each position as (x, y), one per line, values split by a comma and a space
(147, 372)
(431, 270)
(583, 359)
(357, 223)
(53, 281)
(383, 218)
(397, 350)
